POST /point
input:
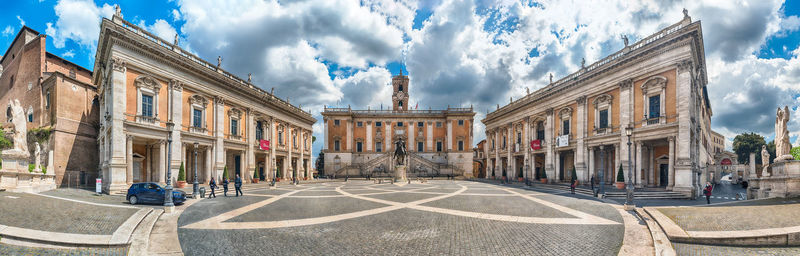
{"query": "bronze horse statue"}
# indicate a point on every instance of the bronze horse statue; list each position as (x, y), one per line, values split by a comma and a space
(400, 151)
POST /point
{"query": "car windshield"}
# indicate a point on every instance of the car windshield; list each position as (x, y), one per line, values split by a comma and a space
(152, 186)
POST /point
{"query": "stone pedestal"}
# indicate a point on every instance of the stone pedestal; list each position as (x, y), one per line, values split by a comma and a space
(784, 181)
(400, 173)
(15, 177)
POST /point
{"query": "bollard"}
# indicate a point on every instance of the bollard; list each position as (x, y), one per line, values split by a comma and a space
(202, 192)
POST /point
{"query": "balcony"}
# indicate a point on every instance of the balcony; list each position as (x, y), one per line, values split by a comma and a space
(654, 120)
(233, 136)
(196, 129)
(146, 119)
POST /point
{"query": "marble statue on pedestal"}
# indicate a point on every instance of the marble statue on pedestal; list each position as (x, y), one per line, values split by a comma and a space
(764, 161)
(782, 144)
(16, 117)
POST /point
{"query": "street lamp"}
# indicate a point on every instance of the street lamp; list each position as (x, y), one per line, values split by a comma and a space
(527, 177)
(195, 184)
(168, 188)
(629, 187)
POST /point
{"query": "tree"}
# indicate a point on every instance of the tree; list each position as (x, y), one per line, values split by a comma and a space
(320, 163)
(795, 153)
(5, 142)
(746, 143)
(620, 175)
(313, 139)
(181, 173)
(255, 175)
(771, 150)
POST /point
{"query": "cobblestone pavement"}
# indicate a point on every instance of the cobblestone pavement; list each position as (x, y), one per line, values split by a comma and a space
(714, 250)
(733, 218)
(37, 212)
(7, 249)
(435, 218)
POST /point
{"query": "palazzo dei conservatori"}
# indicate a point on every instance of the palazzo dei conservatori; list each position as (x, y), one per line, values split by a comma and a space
(656, 87)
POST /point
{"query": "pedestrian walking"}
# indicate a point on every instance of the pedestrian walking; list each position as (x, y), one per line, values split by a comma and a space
(572, 186)
(592, 183)
(238, 185)
(707, 192)
(213, 185)
(225, 186)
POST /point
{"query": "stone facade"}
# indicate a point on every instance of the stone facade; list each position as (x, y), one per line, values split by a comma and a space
(360, 142)
(58, 95)
(656, 86)
(219, 119)
(479, 160)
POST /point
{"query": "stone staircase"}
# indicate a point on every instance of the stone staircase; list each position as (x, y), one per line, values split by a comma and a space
(639, 194)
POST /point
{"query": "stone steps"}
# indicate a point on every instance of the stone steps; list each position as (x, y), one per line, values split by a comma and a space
(638, 195)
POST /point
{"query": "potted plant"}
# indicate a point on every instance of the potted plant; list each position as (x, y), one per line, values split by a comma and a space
(574, 175)
(181, 177)
(543, 178)
(255, 176)
(620, 179)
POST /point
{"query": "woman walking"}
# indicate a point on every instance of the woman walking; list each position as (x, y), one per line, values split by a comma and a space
(213, 185)
(707, 192)
(225, 186)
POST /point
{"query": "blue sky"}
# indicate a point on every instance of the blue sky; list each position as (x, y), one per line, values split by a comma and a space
(456, 52)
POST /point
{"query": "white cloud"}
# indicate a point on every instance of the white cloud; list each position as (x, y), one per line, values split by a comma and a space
(68, 54)
(79, 21)
(162, 29)
(8, 31)
(176, 15)
(21, 21)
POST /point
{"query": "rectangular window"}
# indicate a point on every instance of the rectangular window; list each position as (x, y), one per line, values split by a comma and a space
(358, 146)
(519, 138)
(460, 122)
(378, 147)
(359, 124)
(438, 124)
(460, 145)
(259, 130)
(420, 124)
(604, 118)
(336, 145)
(30, 117)
(47, 100)
(280, 137)
(147, 105)
(399, 124)
(378, 124)
(504, 141)
(234, 127)
(565, 127)
(419, 146)
(197, 118)
(540, 131)
(655, 106)
(438, 146)
(336, 122)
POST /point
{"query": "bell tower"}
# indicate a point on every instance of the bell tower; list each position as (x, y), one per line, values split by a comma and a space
(400, 92)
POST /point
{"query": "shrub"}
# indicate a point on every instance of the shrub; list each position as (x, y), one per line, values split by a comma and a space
(544, 174)
(620, 175)
(574, 175)
(795, 153)
(31, 167)
(181, 173)
(225, 172)
(255, 174)
(44, 169)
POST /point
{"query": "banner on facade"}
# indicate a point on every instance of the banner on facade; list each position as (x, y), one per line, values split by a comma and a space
(263, 145)
(536, 144)
(562, 141)
(726, 161)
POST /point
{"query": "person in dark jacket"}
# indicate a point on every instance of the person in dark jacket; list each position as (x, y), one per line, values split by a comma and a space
(225, 186)
(238, 185)
(707, 192)
(572, 186)
(213, 185)
(592, 183)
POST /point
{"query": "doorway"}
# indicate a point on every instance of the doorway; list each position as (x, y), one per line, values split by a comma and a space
(663, 175)
(237, 164)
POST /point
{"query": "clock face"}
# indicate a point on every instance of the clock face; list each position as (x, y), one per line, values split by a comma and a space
(399, 94)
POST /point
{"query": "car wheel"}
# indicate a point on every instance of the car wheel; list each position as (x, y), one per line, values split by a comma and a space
(133, 200)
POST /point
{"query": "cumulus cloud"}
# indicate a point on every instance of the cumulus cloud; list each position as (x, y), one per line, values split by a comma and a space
(160, 28)
(8, 31)
(68, 54)
(369, 88)
(21, 21)
(79, 21)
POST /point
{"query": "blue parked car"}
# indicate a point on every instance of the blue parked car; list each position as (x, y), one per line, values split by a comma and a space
(152, 193)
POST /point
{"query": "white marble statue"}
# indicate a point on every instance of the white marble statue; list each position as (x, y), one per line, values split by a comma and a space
(764, 161)
(782, 144)
(16, 116)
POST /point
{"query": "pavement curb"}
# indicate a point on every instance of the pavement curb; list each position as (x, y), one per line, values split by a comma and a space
(120, 237)
(661, 243)
(785, 236)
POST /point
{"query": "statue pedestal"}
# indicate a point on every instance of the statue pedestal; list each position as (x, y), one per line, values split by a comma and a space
(15, 177)
(784, 181)
(400, 173)
(15, 160)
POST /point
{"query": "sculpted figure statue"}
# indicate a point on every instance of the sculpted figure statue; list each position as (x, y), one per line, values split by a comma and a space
(764, 161)
(400, 151)
(37, 155)
(16, 117)
(782, 144)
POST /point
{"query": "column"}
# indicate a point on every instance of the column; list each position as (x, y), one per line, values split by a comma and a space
(349, 138)
(219, 123)
(411, 147)
(510, 142)
(580, 149)
(273, 160)
(301, 171)
(149, 155)
(429, 139)
(268, 167)
(591, 163)
(387, 134)
(176, 100)
(671, 183)
(115, 179)
(209, 165)
(325, 130)
(557, 177)
(251, 141)
(525, 140)
(289, 130)
(651, 167)
(449, 140)
(638, 164)
(129, 156)
(617, 159)
(162, 162)
(625, 117)
(497, 162)
(369, 136)
(683, 175)
(549, 144)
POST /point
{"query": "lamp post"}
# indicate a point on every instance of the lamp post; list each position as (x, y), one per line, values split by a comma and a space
(629, 188)
(528, 177)
(168, 193)
(195, 185)
(602, 170)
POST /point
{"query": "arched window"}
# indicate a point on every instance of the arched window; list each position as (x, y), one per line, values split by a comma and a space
(400, 87)
(400, 103)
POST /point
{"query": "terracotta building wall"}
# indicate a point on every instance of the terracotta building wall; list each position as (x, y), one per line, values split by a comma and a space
(670, 100)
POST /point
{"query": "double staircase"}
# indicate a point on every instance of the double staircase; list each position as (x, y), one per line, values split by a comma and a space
(639, 194)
